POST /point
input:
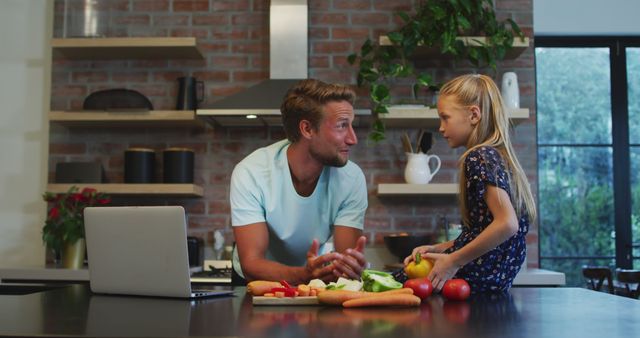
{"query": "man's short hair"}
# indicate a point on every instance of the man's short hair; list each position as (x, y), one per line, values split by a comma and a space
(304, 101)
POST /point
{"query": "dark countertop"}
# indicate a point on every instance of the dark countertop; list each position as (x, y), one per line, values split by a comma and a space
(524, 312)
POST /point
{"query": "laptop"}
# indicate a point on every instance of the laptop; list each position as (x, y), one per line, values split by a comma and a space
(140, 251)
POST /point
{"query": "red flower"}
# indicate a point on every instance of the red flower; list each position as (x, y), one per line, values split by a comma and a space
(65, 221)
(54, 213)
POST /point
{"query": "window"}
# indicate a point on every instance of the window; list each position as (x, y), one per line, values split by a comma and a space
(585, 159)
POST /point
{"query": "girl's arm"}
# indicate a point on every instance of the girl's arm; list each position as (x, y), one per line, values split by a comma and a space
(424, 249)
(504, 225)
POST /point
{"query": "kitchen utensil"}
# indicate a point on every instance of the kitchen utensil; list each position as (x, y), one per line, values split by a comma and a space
(510, 91)
(406, 143)
(426, 142)
(190, 93)
(420, 135)
(418, 170)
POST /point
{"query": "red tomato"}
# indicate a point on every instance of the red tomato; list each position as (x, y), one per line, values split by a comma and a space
(456, 289)
(421, 287)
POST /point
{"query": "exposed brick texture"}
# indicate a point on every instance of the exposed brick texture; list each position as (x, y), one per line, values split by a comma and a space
(233, 36)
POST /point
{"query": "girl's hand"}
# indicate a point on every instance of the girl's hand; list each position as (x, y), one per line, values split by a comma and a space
(443, 269)
(423, 249)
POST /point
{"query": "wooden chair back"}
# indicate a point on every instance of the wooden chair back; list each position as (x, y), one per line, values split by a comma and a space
(631, 281)
(595, 277)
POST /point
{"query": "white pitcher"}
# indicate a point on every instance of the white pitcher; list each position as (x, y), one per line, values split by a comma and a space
(418, 170)
(510, 92)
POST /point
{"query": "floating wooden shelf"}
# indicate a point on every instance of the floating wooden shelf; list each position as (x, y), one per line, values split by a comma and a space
(153, 118)
(126, 48)
(394, 189)
(423, 117)
(432, 52)
(151, 189)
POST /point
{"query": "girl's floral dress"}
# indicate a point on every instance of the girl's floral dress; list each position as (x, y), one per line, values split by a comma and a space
(496, 269)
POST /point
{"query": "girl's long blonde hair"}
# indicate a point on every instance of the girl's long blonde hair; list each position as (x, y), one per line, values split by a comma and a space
(492, 131)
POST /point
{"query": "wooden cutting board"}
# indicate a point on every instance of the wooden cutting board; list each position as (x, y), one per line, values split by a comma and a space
(259, 300)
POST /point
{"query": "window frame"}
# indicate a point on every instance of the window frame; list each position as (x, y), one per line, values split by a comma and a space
(620, 135)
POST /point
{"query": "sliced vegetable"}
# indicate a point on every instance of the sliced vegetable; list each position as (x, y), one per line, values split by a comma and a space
(304, 290)
(378, 281)
(317, 283)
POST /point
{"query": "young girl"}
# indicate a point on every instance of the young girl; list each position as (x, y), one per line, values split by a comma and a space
(495, 198)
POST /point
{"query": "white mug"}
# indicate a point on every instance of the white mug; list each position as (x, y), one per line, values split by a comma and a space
(418, 170)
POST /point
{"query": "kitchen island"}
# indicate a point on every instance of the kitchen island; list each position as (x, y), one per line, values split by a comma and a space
(73, 311)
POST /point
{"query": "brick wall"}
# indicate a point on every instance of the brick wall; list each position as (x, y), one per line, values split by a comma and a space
(233, 35)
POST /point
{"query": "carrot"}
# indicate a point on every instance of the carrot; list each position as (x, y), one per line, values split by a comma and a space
(337, 297)
(269, 294)
(406, 291)
(279, 294)
(384, 300)
(260, 287)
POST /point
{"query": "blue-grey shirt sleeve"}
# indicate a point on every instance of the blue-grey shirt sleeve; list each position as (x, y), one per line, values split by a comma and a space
(246, 200)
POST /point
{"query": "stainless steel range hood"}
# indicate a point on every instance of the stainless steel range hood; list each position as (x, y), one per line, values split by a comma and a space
(288, 50)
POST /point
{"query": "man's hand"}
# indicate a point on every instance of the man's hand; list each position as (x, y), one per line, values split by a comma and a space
(352, 262)
(320, 267)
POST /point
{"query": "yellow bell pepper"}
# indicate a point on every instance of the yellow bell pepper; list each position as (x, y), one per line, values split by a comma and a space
(419, 268)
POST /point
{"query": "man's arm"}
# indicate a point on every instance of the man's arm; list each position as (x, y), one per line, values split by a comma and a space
(252, 241)
(349, 242)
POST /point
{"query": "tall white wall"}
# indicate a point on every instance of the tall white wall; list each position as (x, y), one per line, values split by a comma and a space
(25, 81)
(586, 17)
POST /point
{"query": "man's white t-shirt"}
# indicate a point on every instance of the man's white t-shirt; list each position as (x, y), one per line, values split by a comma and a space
(262, 191)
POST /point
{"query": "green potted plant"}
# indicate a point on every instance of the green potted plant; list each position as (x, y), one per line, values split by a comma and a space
(436, 23)
(63, 230)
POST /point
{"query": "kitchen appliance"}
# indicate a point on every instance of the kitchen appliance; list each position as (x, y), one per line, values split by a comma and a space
(190, 93)
(195, 247)
(139, 165)
(177, 164)
(288, 57)
(510, 92)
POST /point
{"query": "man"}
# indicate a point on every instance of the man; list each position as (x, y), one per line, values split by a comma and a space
(289, 198)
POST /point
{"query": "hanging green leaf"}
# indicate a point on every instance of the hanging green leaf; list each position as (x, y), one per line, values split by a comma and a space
(395, 37)
(352, 58)
(379, 93)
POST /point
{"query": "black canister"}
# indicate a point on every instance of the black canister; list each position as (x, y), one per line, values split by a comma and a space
(178, 165)
(139, 165)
